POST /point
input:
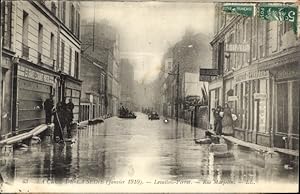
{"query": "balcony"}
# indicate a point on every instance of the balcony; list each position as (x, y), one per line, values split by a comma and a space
(46, 61)
(25, 51)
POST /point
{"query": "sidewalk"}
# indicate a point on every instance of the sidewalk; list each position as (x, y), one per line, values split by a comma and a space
(257, 147)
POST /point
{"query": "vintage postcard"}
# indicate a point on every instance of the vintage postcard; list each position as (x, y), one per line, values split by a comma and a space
(141, 96)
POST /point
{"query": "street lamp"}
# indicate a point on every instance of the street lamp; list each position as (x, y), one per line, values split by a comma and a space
(177, 82)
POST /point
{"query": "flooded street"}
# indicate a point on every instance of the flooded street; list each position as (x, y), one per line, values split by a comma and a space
(138, 149)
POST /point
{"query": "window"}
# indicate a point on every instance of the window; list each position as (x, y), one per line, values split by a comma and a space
(40, 41)
(25, 48)
(221, 57)
(295, 107)
(53, 8)
(52, 46)
(6, 10)
(78, 24)
(72, 18)
(287, 26)
(63, 15)
(71, 66)
(254, 38)
(62, 55)
(282, 107)
(76, 67)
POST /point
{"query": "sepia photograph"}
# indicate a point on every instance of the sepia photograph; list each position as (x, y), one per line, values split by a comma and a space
(149, 96)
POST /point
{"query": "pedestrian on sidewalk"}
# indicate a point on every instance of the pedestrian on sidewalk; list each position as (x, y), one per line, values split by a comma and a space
(217, 120)
(48, 107)
(227, 121)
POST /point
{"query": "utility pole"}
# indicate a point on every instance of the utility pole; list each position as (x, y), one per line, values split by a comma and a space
(177, 95)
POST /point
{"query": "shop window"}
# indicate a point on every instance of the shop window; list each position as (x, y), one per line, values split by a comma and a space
(295, 108)
(282, 107)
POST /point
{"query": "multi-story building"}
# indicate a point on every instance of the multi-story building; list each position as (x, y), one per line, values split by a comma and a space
(259, 79)
(93, 88)
(104, 47)
(126, 80)
(41, 57)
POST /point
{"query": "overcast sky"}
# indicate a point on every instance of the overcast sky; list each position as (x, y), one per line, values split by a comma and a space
(147, 29)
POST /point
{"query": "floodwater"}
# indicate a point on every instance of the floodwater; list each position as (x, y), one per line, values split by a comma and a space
(140, 149)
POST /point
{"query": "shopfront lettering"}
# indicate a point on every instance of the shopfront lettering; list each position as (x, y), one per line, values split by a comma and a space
(35, 75)
(251, 75)
(287, 74)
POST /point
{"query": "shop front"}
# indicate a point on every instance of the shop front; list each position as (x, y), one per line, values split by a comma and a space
(286, 106)
(72, 90)
(250, 102)
(215, 88)
(31, 87)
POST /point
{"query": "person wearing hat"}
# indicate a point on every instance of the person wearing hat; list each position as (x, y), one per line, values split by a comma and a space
(218, 120)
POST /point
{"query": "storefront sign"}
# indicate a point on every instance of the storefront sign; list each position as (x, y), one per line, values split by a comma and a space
(244, 10)
(260, 96)
(205, 78)
(232, 98)
(35, 75)
(237, 48)
(287, 74)
(251, 75)
(207, 74)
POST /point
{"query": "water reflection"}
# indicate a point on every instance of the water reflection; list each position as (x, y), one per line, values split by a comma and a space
(142, 149)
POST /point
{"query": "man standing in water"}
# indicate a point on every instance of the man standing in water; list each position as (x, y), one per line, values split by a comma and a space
(48, 106)
(70, 116)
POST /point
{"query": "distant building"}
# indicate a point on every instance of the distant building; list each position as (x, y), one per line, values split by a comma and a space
(104, 47)
(191, 53)
(93, 88)
(127, 81)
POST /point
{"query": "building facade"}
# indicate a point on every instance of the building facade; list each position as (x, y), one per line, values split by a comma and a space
(260, 82)
(93, 88)
(36, 64)
(103, 46)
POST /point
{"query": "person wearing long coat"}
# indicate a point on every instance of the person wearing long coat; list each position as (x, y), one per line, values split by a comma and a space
(227, 121)
(217, 120)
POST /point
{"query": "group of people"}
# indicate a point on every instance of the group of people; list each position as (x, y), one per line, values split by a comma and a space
(124, 111)
(63, 116)
(223, 120)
